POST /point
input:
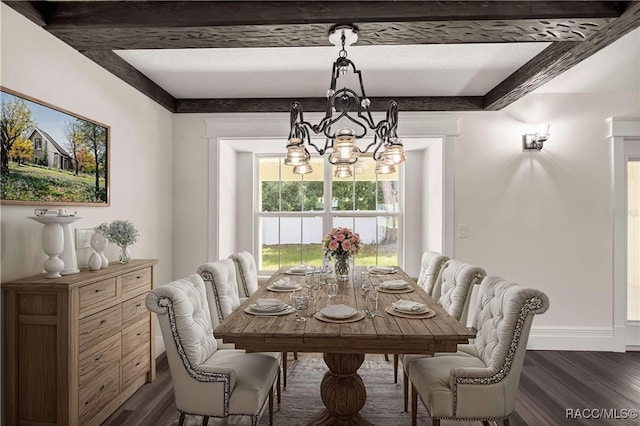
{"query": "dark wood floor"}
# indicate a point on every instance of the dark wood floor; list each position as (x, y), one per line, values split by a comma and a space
(552, 382)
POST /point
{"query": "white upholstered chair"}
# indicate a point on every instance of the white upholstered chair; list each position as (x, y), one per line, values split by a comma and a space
(430, 267)
(223, 297)
(247, 280)
(207, 381)
(453, 287)
(480, 381)
(246, 273)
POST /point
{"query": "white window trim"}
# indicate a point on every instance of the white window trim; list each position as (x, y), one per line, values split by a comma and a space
(221, 127)
(624, 132)
(326, 214)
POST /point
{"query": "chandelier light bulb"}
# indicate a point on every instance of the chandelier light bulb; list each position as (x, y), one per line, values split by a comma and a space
(393, 155)
(384, 169)
(343, 171)
(303, 169)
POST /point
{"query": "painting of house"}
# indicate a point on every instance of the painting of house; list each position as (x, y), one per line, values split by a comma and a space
(48, 152)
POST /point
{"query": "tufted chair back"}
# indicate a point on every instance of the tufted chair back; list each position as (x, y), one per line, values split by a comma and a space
(480, 381)
(185, 323)
(221, 287)
(454, 286)
(501, 306)
(430, 267)
(246, 273)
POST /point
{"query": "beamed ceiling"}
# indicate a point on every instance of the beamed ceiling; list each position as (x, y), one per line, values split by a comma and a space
(574, 30)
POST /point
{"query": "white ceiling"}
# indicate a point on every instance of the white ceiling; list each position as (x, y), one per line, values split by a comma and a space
(416, 70)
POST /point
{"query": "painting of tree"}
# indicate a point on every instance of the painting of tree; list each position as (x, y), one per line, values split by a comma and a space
(51, 156)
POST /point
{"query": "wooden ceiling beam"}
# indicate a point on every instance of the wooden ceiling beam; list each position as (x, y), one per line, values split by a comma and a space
(153, 14)
(127, 73)
(424, 103)
(557, 58)
(304, 35)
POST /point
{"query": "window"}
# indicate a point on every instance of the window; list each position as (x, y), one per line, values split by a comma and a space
(294, 212)
(38, 143)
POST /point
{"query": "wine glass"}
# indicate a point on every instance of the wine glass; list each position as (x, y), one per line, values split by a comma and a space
(310, 279)
(371, 298)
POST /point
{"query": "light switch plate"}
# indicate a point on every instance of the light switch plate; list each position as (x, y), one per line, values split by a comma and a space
(463, 230)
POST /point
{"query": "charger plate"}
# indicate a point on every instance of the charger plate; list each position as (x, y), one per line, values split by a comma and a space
(357, 317)
(287, 311)
(392, 291)
(392, 311)
(284, 289)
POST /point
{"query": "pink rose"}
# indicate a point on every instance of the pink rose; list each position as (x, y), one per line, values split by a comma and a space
(339, 237)
(333, 245)
(346, 245)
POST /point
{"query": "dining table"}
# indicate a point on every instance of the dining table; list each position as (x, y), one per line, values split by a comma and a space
(344, 343)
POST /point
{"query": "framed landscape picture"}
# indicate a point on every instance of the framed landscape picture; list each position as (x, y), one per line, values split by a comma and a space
(50, 156)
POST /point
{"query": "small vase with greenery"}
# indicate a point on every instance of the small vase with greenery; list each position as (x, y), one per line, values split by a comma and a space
(121, 232)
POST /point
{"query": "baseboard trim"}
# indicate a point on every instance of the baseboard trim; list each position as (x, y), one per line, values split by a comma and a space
(572, 339)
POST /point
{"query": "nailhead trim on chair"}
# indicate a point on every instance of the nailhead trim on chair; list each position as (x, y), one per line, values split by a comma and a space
(200, 376)
(208, 276)
(239, 267)
(530, 305)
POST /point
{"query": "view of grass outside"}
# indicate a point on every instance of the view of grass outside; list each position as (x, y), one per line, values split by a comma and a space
(33, 182)
(312, 255)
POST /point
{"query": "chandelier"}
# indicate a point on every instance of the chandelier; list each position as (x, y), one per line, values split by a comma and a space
(345, 106)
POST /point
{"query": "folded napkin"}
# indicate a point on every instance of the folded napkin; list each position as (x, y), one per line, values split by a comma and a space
(284, 283)
(408, 305)
(299, 268)
(394, 284)
(383, 269)
(339, 311)
(268, 303)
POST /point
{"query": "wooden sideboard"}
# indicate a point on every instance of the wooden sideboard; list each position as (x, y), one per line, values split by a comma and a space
(79, 346)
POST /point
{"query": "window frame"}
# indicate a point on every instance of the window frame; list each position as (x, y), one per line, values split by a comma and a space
(327, 214)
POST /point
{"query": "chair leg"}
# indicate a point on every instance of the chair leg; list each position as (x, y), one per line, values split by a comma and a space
(395, 368)
(181, 422)
(485, 423)
(278, 390)
(414, 406)
(435, 422)
(205, 420)
(271, 407)
(295, 356)
(284, 370)
(505, 422)
(386, 357)
(405, 381)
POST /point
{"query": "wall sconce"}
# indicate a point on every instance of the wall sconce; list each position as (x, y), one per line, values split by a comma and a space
(535, 140)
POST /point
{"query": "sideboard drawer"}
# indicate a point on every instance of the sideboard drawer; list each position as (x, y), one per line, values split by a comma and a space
(134, 335)
(99, 324)
(134, 309)
(95, 360)
(100, 293)
(136, 282)
(98, 393)
(134, 365)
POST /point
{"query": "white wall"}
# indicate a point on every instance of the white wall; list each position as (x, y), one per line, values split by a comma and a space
(37, 64)
(542, 218)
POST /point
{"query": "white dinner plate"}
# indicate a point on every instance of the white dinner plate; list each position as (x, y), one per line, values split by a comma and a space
(339, 311)
(289, 310)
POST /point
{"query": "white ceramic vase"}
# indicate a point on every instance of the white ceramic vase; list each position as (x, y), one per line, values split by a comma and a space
(99, 243)
(95, 261)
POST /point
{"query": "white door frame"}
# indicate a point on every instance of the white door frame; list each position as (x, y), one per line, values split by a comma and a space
(625, 131)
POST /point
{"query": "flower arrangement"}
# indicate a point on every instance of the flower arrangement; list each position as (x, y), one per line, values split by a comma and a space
(121, 232)
(340, 242)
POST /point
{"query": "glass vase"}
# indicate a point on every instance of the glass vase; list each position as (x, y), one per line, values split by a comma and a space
(125, 255)
(342, 266)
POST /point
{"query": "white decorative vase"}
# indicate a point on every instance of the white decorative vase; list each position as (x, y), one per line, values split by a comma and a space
(57, 243)
(99, 243)
(95, 262)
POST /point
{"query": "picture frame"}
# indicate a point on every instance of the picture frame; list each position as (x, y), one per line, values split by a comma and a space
(51, 156)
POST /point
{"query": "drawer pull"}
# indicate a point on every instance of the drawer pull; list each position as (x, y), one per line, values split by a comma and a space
(103, 321)
(99, 358)
(138, 333)
(102, 387)
(138, 304)
(137, 363)
(138, 277)
(98, 290)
